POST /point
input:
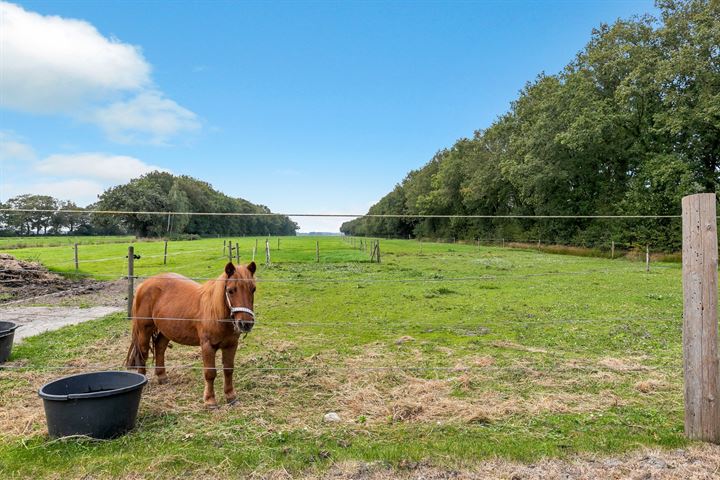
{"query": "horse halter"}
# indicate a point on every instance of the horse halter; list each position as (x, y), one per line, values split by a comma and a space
(233, 310)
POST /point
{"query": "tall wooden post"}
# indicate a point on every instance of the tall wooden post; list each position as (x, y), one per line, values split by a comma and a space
(237, 252)
(230, 249)
(267, 252)
(700, 322)
(165, 254)
(378, 251)
(278, 243)
(131, 279)
(224, 246)
(647, 258)
(612, 249)
(77, 263)
(317, 251)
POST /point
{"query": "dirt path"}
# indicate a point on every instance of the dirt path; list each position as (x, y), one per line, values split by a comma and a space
(35, 320)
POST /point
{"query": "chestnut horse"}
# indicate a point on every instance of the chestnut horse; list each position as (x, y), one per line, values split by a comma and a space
(172, 308)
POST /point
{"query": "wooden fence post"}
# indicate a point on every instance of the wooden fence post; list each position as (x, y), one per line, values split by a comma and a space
(278, 243)
(131, 279)
(77, 263)
(647, 258)
(700, 322)
(254, 251)
(165, 254)
(317, 251)
(224, 246)
(378, 251)
(237, 252)
(612, 249)
(267, 252)
(230, 249)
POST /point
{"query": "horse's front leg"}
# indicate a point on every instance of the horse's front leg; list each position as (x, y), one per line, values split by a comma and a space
(208, 356)
(228, 360)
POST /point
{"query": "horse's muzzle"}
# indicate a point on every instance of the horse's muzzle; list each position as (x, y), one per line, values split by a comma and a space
(245, 325)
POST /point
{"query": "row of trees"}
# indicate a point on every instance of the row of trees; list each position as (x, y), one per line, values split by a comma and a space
(630, 126)
(154, 192)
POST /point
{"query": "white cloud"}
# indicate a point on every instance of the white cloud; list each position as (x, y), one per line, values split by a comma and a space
(56, 65)
(149, 117)
(82, 191)
(11, 148)
(100, 166)
(52, 64)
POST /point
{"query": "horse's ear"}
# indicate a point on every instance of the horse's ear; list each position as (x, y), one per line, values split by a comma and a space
(252, 267)
(229, 269)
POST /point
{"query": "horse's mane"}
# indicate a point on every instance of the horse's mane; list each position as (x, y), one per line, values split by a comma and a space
(212, 299)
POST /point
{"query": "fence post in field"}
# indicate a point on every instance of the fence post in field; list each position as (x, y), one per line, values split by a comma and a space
(131, 279)
(237, 252)
(317, 251)
(700, 322)
(267, 252)
(165, 254)
(254, 251)
(612, 249)
(224, 246)
(230, 249)
(278, 243)
(378, 251)
(503, 242)
(77, 263)
(647, 258)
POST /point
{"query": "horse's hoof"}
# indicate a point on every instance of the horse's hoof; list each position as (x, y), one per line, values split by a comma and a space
(211, 405)
(162, 379)
(232, 402)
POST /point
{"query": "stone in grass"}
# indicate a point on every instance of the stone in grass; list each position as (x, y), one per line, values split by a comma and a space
(331, 417)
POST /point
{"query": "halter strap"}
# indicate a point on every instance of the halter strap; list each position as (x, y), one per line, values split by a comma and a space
(233, 310)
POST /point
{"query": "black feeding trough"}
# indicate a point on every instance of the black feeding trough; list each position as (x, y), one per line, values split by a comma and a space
(98, 404)
(7, 335)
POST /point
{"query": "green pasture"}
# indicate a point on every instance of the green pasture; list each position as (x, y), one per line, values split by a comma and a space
(59, 241)
(442, 353)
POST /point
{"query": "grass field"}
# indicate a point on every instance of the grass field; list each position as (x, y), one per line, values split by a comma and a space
(443, 353)
(58, 241)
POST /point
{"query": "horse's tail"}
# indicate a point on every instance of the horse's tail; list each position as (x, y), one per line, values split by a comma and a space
(134, 358)
(134, 355)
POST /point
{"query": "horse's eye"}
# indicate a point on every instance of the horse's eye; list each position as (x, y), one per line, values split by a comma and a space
(231, 291)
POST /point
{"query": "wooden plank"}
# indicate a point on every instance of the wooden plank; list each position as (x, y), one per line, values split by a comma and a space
(700, 324)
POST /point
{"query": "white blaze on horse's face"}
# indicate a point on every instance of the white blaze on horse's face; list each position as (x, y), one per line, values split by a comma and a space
(240, 295)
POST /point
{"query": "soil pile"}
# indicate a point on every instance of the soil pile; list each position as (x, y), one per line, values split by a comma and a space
(20, 279)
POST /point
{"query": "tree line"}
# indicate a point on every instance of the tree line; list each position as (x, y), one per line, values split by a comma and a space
(630, 126)
(153, 192)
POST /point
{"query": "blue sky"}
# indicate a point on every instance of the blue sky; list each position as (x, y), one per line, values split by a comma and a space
(304, 107)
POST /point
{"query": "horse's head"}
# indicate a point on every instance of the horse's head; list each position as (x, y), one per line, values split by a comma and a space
(240, 295)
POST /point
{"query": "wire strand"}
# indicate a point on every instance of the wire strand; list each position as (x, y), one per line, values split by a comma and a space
(326, 215)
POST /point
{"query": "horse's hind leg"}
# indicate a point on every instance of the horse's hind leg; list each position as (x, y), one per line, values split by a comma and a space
(160, 343)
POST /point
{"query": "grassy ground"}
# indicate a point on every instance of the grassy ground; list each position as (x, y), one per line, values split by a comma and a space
(446, 354)
(56, 241)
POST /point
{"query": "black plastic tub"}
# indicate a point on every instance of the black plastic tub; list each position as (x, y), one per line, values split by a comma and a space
(98, 404)
(7, 335)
